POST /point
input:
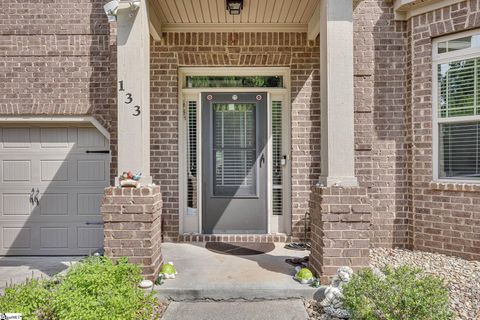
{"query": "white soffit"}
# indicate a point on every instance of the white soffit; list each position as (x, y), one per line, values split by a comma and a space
(257, 15)
(405, 9)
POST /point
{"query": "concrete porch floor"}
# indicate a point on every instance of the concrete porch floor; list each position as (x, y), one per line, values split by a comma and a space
(208, 275)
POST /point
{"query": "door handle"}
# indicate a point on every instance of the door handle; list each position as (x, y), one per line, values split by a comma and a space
(36, 197)
(262, 160)
(31, 196)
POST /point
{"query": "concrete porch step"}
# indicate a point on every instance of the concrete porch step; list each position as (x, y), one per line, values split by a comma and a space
(258, 310)
(208, 275)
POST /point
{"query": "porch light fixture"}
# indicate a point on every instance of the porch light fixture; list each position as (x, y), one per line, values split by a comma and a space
(234, 7)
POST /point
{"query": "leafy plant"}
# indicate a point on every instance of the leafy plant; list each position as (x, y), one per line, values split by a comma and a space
(96, 288)
(31, 299)
(396, 294)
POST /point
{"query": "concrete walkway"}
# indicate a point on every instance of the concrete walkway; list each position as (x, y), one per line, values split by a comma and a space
(259, 310)
(207, 275)
(14, 270)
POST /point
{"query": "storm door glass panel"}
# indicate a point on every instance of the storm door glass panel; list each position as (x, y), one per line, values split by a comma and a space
(234, 136)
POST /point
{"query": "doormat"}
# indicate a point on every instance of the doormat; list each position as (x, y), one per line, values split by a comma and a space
(240, 248)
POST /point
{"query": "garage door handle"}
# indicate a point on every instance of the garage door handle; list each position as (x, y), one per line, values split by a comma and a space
(97, 151)
(31, 196)
(94, 223)
(36, 197)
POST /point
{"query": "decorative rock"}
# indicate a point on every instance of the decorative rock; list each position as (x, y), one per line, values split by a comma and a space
(145, 284)
(462, 278)
(333, 304)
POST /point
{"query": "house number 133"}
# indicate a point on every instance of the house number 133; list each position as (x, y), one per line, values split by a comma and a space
(129, 99)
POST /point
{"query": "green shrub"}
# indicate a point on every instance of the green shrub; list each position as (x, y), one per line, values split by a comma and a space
(402, 293)
(31, 299)
(96, 288)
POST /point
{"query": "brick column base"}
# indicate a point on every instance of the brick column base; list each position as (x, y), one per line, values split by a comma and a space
(132, 226)
(340, 219)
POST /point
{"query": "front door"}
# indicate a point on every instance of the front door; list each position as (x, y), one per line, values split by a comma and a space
(234, 162)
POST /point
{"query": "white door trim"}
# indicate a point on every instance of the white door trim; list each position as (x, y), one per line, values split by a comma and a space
(55, 120)
(275, 224)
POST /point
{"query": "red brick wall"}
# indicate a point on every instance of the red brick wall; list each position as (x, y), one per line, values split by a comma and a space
(57, 58)
(340, 230)
(445, 216)
(380, 49)
(236, 49)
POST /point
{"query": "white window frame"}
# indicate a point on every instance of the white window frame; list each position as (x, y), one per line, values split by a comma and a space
(437, 59)
(192, 224)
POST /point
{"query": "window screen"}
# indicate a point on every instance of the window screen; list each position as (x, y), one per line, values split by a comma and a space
(458, 111)
(277, 154)
(192, 188)
(460, 150)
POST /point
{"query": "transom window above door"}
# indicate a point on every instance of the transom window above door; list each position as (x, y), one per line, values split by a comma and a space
(234, 82)
(456, 63)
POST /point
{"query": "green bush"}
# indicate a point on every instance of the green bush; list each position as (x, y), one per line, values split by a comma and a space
(30, 299)
(402, 293)
(96, 288)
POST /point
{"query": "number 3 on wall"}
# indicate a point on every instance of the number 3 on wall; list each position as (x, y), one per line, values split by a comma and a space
(129, 98)
(137, 111)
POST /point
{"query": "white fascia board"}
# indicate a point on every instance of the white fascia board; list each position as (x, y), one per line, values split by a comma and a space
(406, 9)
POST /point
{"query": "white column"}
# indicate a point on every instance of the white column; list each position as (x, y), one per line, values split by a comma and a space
(133, 89)
(336, 85)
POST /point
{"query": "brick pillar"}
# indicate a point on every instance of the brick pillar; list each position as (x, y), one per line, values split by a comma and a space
(132, 226)
(340, 229)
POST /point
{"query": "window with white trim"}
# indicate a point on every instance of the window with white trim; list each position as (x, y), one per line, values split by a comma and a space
(456, 116)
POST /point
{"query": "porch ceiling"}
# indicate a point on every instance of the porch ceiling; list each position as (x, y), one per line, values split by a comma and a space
(211, 15)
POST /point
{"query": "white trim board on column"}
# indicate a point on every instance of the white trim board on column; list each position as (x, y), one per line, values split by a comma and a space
(337, 94)
(133, 90)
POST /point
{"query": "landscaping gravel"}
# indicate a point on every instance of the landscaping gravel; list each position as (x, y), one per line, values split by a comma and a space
(462, 277)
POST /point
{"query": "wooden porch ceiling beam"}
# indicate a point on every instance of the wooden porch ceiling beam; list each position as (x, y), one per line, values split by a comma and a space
(154, 22)
(314, 24)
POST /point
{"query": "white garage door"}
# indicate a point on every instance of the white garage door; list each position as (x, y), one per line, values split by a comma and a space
(52, 182)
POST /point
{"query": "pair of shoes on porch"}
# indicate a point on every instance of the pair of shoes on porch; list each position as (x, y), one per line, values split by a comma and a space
(297, 246)
(302, 262)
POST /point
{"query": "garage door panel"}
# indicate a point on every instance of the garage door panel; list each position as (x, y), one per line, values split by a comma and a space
(91, 138)
(88, 204)
(70, 184)
(53, 237)
(54, 138)
(90, 237)
(15, 204)
(50, 238)
(54, 170)
(54, 204)
(16, 170)
(16, 237)
(91, 170)
(16, 137)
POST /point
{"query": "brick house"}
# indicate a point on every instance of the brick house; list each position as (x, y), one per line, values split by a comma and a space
(358, 119)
